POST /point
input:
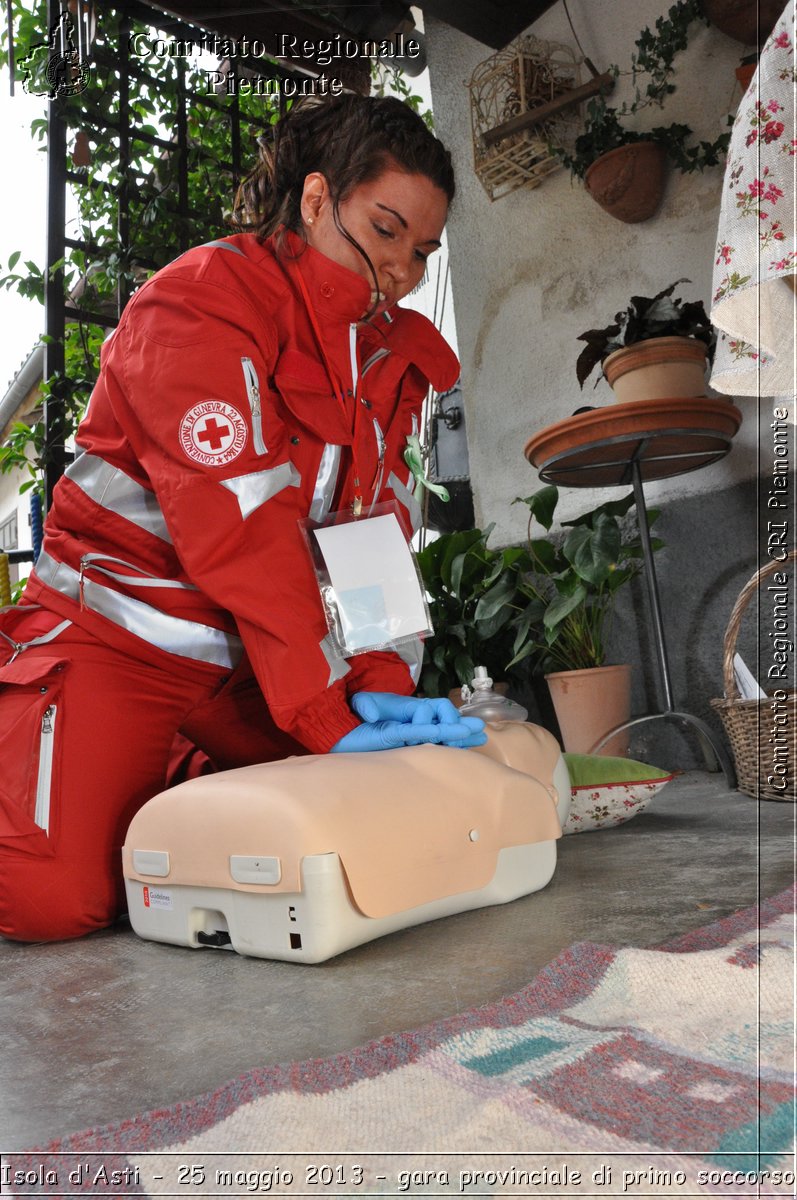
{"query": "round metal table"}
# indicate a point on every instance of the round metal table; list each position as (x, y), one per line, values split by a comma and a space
(634, 443)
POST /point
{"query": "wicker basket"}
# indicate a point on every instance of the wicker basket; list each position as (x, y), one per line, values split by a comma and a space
(762, 733)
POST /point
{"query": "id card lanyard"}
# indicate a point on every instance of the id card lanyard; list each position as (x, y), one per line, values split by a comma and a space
(338, 388)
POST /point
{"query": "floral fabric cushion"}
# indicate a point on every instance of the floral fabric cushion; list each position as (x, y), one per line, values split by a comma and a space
(608, 791)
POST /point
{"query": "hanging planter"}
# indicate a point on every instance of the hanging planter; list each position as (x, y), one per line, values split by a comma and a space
(742, 20)
(628, 182)
(624, 168)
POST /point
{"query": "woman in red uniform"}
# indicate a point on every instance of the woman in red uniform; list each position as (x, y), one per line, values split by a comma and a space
(259, 380)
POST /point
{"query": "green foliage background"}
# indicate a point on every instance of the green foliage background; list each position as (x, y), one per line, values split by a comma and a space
(103, 277)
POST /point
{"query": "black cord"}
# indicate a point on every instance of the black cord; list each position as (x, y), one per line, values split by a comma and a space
(588, 62)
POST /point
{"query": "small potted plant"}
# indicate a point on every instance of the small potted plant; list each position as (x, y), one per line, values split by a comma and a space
(570, 591)
(657, 348)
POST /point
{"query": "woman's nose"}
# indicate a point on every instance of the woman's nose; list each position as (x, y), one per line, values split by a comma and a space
(398, 268)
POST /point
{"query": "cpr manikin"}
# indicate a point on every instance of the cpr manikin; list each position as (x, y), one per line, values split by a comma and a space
(304, 858)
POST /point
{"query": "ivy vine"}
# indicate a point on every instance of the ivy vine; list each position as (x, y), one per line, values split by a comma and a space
(651, 71)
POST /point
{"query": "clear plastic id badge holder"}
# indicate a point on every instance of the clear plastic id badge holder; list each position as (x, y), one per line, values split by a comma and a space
(369, 580)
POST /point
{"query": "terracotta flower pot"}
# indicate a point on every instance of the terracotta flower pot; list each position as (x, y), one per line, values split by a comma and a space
(744, 73)
(629, 182)
(588, 704)
(657, 369)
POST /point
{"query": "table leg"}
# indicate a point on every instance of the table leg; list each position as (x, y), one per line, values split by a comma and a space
(649, 571)
(713, 752)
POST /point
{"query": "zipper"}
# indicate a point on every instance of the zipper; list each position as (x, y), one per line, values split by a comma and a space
(45, 777)
(89, 562)
(253, 392)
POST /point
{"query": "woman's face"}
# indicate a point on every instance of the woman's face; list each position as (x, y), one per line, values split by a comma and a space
(397, 218)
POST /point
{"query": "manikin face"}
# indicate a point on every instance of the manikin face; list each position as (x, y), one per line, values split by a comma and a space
(397, 218)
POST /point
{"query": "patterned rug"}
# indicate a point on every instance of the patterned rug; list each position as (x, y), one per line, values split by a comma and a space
(616, 1071)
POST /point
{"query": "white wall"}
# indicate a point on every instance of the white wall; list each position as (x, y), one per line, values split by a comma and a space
(536, 268)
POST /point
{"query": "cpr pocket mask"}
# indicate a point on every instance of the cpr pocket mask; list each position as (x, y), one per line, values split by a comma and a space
(369, 580)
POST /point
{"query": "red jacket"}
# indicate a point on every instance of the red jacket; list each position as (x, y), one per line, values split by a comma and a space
(212, 431)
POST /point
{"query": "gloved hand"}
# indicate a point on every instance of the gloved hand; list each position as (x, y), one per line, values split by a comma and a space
(391, 721)
(387, 706)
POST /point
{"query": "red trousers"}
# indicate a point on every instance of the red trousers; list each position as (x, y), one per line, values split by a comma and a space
(87, 735)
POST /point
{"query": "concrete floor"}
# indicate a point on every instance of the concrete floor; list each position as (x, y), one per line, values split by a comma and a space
(97, 1030)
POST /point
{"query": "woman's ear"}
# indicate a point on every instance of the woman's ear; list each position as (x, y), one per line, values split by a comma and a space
(315, 196)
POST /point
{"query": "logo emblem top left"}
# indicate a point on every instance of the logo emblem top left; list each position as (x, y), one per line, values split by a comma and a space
(213, 433)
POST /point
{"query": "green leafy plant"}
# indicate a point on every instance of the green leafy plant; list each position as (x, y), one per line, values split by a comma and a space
(652, 67)
(572, 582)
(646, 317)
(474, 593)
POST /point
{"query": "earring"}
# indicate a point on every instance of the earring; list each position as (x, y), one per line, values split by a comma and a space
(310, 220)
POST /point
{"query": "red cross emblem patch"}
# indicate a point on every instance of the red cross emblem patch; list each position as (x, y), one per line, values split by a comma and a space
(213, 433)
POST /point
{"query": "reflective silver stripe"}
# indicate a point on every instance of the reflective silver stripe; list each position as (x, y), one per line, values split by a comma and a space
(225, 246)
(374, 358)
(325, 483)
(338, 667)
(412, 654)
(256, 488)
(252, 384)
(111, 488)
(187, 639)
(405, 497)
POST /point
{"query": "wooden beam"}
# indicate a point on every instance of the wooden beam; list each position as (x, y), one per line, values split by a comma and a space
(525, 120)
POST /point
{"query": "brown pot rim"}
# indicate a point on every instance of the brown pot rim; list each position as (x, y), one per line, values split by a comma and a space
(625, 668)
(645, 144)
(653, 351)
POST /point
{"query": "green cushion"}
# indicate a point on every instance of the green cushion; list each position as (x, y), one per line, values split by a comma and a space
(595, 770)
(609, 791)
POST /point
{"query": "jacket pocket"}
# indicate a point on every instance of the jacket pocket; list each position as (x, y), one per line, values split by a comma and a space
(309, 396)
(31, 708)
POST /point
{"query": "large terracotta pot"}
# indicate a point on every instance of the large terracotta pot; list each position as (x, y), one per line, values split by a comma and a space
(588, 704)
(629, 182)
(657, 369)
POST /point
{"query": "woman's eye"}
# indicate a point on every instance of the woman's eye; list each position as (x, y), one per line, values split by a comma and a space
(385, 233)
(421, 256)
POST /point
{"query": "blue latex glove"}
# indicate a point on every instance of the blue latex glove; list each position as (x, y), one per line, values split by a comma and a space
(387, 706)
(391, 721)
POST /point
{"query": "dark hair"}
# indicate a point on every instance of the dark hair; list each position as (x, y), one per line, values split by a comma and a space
(350, 140)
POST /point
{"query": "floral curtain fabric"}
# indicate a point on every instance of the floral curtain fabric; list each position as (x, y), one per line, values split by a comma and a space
(754, 299)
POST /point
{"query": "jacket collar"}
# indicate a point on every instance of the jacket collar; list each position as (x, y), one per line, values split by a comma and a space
(412, 336)
(340, 295)
(336, 293)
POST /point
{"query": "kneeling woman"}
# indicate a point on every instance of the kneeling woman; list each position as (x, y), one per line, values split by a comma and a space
(257, 381)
